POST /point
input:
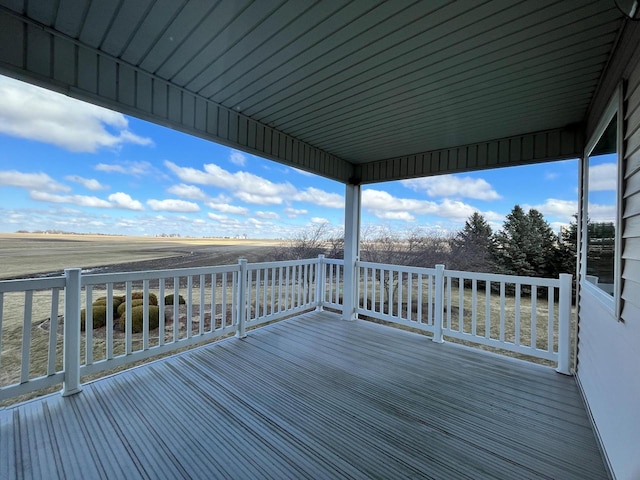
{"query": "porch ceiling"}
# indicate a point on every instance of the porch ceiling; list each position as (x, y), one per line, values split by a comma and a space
(361, 90)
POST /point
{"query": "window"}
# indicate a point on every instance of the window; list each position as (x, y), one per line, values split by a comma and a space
(601, 211)
(600, 216)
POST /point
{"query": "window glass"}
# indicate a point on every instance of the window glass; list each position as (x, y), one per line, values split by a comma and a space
(602, 194)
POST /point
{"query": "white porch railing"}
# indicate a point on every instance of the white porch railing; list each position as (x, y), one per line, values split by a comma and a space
(37, 352)
(501, 311)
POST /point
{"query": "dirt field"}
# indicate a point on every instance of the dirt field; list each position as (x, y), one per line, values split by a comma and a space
(28, 255)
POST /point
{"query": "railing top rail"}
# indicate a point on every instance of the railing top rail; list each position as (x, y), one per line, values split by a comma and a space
(100, 278)
(398, 268)
(333, 261)
(283, 263)
(497, 277)
(26, 284)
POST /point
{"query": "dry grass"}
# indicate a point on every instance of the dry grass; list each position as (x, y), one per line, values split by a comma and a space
(27, 254)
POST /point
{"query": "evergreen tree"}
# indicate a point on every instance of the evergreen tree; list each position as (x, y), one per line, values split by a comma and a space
(568, 248)
(473, 246)
(527, 245)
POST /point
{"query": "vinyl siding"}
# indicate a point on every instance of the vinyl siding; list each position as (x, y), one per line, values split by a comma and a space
(608, 347)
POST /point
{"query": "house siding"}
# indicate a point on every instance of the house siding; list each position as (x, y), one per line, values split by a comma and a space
(608, 348)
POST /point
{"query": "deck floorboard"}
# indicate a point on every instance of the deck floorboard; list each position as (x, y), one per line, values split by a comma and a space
(311, 397)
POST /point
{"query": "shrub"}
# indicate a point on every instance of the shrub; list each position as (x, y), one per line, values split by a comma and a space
(137, 317)
(139, 295)
(134, 303)
(168, 300)
(99, 317)
(102, 302)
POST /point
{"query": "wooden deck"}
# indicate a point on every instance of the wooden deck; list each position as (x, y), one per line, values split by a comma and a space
(311, 397)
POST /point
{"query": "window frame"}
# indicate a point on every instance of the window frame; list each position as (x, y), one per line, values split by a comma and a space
(615, 108)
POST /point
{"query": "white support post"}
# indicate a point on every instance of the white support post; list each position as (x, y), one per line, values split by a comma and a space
(564, 324)
(242, 298)
(351, 251)
(439, 306)
(71, 355)
(320, 283)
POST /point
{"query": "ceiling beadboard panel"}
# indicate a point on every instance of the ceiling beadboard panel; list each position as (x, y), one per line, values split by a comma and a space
(353, 83)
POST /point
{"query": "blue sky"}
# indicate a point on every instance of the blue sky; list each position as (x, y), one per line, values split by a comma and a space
(68, 165)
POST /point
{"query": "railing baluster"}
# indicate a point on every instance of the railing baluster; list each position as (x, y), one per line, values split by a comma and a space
(161, 308)
(449, 321)
(373, 289)
(26, 337)
(176, 309)
(420, 279)
(257, 290)
(502, 310)
(365, 290)
(202, 305)
(88, 325)
(223, 302)
(461, 304)
(189, 305)
(214, 301)
(265, 289)
(400, 294)
(409, 295)
(337, 287)
(517, 315)
(534, 332)
(243, 298)
(280, 277)
(109, 323)
(129, 329)
(53, 331)
(382, 296)
(145, 314)
(487, 309)
(286, 289)
(272, 310)
(299, 285)
(534, 315)
(474, 307)
(430, 296)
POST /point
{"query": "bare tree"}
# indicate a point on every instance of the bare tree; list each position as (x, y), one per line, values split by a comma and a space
(319, 239)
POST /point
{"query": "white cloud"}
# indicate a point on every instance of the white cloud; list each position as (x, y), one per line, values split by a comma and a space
(267, 215)
(116, 200)
(603, 177)
(173, 205)
(385, 206)
(294, 212)
(122, 200)
(561, 209)
(215, 216)
(243, 185)
(319, 220)
(320, 197)
(187, 191)
(88, 183)
(80, 200)
(227, 208)
(34, 113)
(602, 213)
(37, 181)
(137, 169)
(453, 186)
(237, 158)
